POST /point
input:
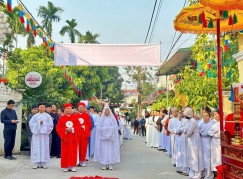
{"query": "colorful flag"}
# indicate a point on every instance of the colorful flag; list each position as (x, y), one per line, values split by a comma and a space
(34, 28)
(9, 4)
(21, 13)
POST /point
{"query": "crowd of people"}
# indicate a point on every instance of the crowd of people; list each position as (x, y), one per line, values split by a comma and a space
(191, 140)
(73, 134)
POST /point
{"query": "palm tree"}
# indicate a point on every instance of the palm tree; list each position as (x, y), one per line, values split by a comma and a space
(89, 37)
(30, 40)
(31, 37)
(50, 14)
(70, 29)
(16, 26)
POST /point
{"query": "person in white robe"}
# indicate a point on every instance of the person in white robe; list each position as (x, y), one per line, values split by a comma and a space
(168, 139)
(173, 125)
(128, 132)
(147, 129)
(194, 146)
(122, 120)
(107, 145)
(151, 130)
(182, 163)
(120, 131)
(179, 152)
(95, 118)
(155, 140)
(160, 128)
(41, 125)
(164, 136)
(206, 139)
(216, 158)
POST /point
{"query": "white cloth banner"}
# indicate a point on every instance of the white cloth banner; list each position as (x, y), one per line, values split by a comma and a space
(106, 55)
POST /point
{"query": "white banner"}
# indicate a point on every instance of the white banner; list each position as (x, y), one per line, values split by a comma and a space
(106, 55)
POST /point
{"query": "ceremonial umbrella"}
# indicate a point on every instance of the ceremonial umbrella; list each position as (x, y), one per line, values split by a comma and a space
(199, 19)
(223, 4)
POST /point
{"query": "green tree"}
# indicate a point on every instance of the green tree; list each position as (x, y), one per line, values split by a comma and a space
(30, 36)
(70, 30)
(1, 3)
(199, 84)
(162, 101)
(89, 37)
(54, 88)
(145, 82)
(111, 86)
(30, 40)
(200, 90)
(49, 14)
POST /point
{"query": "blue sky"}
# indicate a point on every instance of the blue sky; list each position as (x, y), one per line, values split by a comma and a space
(117, 21)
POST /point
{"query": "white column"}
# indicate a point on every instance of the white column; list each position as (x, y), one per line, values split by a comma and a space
(6, 94)
(239, 58)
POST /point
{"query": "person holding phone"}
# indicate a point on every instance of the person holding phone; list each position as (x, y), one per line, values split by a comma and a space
(10, 120)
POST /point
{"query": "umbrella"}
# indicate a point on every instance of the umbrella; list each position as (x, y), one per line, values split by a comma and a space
(200, 19)
(223, 4)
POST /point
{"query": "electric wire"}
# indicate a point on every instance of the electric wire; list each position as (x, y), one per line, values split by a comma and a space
(155, 21)
(155, 4)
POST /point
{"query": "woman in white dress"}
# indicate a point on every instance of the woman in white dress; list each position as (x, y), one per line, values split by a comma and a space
(215, 144)
(163, 133)
(147, 128)
(195, 155)
(204, 127)
(128, 132)
(107, 144)
(155, 142)
(151, 130)
(160, 127)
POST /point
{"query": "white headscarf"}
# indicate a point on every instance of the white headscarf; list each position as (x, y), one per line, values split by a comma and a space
(111, 115)
(116, 143)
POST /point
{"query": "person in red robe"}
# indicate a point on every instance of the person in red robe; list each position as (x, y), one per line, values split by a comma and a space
(84, 132)
(68, 129)
(229, 121)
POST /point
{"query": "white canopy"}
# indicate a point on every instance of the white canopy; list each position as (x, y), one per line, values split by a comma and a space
(106, 55)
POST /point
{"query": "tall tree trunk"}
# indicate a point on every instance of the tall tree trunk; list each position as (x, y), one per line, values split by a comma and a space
(16, 41)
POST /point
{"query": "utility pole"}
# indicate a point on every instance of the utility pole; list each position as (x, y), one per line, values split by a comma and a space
(139, 89)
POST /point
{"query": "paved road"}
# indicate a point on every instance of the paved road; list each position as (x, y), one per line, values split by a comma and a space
(137, 162)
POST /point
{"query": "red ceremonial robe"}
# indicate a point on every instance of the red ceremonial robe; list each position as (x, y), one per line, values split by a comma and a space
(230, 124)
(68, 140)
(85, 124)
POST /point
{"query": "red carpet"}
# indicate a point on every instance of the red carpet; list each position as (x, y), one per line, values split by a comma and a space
(96, 177)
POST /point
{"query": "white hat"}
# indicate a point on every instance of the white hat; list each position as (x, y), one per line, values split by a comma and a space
(188, 112)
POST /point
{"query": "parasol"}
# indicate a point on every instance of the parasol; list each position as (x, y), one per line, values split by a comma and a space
(223, 4)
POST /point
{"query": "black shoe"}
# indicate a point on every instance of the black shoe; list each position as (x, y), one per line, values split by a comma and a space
(14, 158)
(174, 165)
(8, 157)
(179, 172)
(186, 174)
(52, 157)
(58, 156)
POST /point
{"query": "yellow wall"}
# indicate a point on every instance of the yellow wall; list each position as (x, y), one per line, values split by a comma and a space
(240, 63)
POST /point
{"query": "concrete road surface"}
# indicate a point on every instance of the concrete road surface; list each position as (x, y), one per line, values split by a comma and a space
(137, 162)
